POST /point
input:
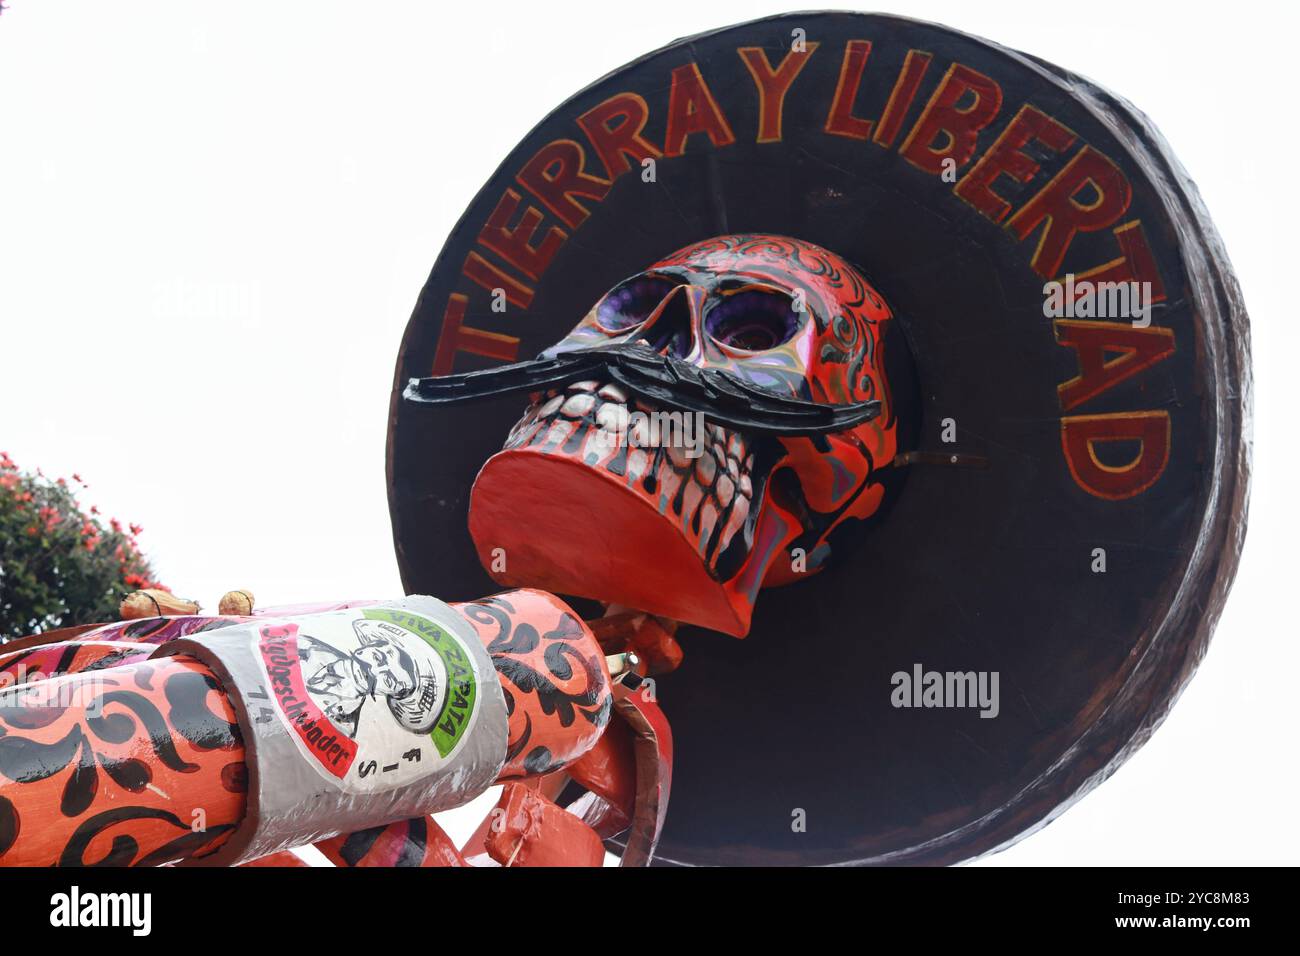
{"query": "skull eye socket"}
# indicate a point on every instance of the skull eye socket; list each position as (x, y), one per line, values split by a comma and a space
(630, 303)
(754, 320)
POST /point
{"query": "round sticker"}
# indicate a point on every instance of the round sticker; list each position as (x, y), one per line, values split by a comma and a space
(377, 697)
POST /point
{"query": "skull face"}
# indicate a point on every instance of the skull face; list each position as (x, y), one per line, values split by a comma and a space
(601, 494)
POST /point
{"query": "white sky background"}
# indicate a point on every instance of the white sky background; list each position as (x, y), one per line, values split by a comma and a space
(215, 219)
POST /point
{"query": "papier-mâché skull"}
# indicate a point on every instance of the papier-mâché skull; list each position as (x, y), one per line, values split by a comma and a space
(673, 515)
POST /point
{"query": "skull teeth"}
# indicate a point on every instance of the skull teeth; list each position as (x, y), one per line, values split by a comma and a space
(724, 490)
(575, 406)
(710, 495)
(613, 393)
(706, 468)
(612, 417)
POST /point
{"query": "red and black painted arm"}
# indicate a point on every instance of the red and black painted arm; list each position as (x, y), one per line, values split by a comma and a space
(109, 756)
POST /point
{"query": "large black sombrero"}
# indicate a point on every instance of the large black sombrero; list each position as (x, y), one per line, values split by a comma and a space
(1139, 466)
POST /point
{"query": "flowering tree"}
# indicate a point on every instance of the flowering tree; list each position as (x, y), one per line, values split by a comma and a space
(60, 566)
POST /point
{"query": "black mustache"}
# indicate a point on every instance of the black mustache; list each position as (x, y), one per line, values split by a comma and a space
(720, 396)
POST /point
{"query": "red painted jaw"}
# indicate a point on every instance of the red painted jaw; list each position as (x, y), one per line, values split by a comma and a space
(568, 508)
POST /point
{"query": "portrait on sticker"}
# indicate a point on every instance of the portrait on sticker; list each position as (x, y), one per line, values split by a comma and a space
(390, 669)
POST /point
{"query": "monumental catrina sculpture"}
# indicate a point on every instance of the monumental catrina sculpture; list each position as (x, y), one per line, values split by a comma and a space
(860, 398)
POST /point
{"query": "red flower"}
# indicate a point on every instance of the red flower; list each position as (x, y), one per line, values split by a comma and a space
(58, 523)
